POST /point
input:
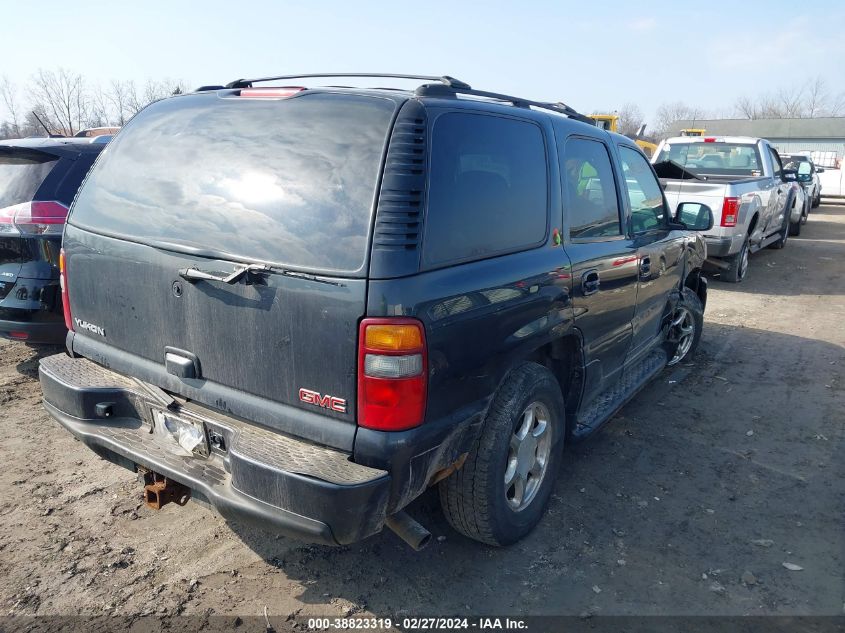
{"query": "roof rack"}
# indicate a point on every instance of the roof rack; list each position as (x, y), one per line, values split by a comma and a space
(445, 86)
(445, 80)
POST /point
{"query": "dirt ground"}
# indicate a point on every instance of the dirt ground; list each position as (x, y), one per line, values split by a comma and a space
(689, 502)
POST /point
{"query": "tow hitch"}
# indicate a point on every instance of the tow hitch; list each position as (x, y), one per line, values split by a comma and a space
(159, 490)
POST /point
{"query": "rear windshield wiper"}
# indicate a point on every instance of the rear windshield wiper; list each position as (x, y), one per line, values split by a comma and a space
(195, 274)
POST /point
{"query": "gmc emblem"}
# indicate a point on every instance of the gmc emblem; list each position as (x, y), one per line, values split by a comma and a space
(326, 402)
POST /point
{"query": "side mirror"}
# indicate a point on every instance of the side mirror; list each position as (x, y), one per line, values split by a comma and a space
(819, 170)
(789, 174)
(695, 216)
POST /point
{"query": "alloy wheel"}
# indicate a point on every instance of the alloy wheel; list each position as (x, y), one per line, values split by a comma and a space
(682, 332)
(528, 456)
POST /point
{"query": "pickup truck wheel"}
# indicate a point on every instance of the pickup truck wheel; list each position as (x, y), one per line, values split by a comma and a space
(795, 228)
(685, 327)
(817, 200)
(785, 232)
(502, 490)
(738, 265)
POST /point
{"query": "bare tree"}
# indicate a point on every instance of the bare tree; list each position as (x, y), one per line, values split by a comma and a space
(670, 113)
(630, 119)
(7, 92)
(62, 97)
(789, 103)
(816, 98)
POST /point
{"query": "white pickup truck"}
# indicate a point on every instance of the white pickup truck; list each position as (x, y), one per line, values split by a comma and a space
(742, 180)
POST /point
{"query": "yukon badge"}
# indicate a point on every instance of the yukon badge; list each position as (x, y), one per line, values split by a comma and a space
(326, 402)
(94, 329)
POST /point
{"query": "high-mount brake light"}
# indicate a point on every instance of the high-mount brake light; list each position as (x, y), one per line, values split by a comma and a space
(271, 93)
(33, 218)
(63, 288)
(392, 373)
(710, 139)
(730, 211)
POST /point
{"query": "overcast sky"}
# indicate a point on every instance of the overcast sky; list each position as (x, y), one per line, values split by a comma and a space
(589, 54)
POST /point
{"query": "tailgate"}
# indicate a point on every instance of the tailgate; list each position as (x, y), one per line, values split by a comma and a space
(268, 339)
(710, 193)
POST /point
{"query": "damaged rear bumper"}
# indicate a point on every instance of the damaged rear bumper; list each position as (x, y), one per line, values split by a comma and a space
(250, 474)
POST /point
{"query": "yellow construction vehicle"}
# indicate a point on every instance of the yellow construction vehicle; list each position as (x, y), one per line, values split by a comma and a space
(693, 131)
(610, 122)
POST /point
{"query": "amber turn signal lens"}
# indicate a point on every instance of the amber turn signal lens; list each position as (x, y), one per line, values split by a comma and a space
(393, 338)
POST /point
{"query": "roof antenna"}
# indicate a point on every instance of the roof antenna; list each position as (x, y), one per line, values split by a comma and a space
(46, 129)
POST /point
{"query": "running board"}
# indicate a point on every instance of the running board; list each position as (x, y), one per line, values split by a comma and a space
(608, 403)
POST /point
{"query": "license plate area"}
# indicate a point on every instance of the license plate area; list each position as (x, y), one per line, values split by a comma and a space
(183, 434)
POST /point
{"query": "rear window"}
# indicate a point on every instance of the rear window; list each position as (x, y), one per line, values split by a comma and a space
(487, 189)
(21, 174)
(289, 182)
(717, 159)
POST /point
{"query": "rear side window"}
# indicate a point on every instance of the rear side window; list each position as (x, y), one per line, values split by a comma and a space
(21, 174)
(488, 188)
(590, 190)
(289, 182)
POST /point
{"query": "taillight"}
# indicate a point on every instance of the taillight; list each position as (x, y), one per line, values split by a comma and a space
(392, 371)
(730, 211)
(33, 218)
(63, 286)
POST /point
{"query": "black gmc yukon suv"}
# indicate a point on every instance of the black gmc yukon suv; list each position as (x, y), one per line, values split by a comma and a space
(308, 305)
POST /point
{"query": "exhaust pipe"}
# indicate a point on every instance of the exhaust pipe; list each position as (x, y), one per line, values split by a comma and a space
(408, 530)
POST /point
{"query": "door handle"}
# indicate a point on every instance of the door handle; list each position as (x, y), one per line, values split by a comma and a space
(590, 282)
(645, 266)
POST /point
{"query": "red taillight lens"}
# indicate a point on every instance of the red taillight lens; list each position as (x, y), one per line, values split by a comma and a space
(710, 139)
(730, 211)
(392, 374)
(271, 93)
(33, 218)
(63, 286)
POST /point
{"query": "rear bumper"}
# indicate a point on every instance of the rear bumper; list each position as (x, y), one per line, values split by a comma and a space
(257, 476)
(44, 332)
(723, 246)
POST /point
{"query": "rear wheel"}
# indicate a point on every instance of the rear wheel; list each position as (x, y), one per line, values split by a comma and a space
(502, 490)
(737, 265)
(785, 232)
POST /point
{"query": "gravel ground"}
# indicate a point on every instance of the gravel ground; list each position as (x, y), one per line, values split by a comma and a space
(690, 502)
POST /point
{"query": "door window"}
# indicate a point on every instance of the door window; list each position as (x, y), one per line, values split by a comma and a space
(644, 193)
(589, 190)
(776, 166)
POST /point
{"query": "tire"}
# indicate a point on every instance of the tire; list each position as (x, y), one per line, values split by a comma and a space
(785, 232)
(806, 213)
(795, 228)
(738, 265)
(688, 313)
(817, 201)
(475, 499)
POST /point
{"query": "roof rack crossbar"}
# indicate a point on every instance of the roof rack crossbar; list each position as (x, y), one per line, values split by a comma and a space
(560, 107)
(443, 79)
